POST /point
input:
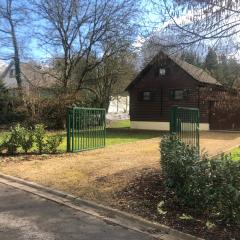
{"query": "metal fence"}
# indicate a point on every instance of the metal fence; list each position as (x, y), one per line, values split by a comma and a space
(86, 129)
(184, 124)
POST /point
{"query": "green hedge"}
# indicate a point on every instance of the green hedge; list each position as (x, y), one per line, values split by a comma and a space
(210, 185)
(22, 138)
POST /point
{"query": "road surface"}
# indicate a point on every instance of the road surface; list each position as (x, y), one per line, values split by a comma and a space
(24, 216)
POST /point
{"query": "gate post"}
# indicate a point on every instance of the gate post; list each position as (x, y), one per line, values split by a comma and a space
(68, 130)
(173, 120)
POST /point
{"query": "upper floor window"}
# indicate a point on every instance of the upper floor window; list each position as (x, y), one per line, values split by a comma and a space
(12, 73)
(162, 71)
(177, 94)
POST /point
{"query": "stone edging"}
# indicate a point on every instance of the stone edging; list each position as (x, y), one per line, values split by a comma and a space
(108, 214)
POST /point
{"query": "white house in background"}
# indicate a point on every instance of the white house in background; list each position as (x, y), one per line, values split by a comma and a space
(3, 66)
(119, 104)
(33, 77)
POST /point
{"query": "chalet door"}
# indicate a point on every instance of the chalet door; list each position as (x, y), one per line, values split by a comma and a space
(211, 116)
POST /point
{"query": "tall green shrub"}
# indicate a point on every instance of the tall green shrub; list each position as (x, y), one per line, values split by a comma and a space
(211, 185)
(176, 159)
(39, 135)
(53, 142)
(19, 137)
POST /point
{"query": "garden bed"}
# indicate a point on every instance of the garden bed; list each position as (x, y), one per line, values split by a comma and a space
(143, 195)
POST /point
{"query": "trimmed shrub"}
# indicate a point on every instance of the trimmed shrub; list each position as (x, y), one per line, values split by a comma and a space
(18, 137)
(26, 139)
(176, 159)
(211, 185)
(39, 136)
(52, 143)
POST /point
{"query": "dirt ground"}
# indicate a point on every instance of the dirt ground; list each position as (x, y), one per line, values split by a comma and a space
(217, 142)
(94, 174)
(98, 174)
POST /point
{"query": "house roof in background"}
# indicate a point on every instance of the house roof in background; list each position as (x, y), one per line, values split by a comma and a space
(31, 73)
(197, 73)
(2, 66)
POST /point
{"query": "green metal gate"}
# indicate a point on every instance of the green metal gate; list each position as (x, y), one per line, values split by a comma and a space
(86, 129)
(184, 124)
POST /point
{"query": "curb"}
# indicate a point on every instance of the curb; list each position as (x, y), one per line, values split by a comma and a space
(108, 214)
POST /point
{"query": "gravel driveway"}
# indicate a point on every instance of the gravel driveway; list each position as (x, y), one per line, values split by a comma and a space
(97, 175)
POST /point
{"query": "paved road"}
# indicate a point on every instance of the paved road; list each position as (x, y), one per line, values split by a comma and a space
(24, 216)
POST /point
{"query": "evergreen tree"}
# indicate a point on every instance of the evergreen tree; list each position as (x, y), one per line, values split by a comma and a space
(226, 71)
(2, 87)
(211, 61)
(192, 58)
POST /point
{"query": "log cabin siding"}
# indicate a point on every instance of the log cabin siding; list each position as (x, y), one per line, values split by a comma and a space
(201, 90)
(159, 108)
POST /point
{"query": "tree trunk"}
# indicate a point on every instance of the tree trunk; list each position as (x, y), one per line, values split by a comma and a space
(16, 56)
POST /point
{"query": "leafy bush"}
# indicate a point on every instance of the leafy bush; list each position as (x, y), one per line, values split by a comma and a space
(39, 136)
(18, 137)
(211, 185)
(12, 141)
(27, 139)
(53, 142)
(21, 137)
(176, 158)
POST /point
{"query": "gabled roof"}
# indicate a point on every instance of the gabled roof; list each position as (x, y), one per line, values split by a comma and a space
(32, 74)
(197, 73)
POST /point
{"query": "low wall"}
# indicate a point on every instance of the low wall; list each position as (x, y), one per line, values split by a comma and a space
(163, 126)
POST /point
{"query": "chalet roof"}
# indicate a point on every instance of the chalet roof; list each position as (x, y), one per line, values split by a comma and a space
(197, 73)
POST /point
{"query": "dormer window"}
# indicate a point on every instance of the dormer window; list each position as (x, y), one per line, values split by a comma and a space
(12, 73)
(162, 71)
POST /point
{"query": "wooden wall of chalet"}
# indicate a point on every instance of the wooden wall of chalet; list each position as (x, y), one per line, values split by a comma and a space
(159, 108)
(223, 109)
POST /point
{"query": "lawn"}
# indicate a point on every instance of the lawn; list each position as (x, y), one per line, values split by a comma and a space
(114, 135)
(235, 153)
(119, 124)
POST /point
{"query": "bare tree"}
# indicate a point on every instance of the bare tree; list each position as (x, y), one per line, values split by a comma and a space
(110, 78)
(12, 16)
(212, 21)
(86, 31)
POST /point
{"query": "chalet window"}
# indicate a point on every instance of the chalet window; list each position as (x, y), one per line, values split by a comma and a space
(177, 94)
(146, 96)
(12, 73)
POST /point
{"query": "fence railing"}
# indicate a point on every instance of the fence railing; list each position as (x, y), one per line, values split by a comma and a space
(86, 129)
(184, 123)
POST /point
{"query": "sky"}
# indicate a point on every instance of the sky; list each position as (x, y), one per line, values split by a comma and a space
(36, 52)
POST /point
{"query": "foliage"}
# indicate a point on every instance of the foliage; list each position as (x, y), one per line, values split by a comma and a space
(211, 185)
(225, 70)
(39, 135)
(21, 138)
(176, 158)
(192, 58)
(2, 87)
(26, 139)
(211, 61)
(18, 137)
(53, 142)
